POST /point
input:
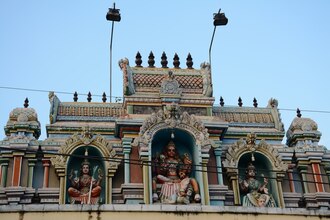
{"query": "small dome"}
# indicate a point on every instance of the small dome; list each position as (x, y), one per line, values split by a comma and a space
(302, 124)
(23, 120)
(23, 115)
(302, 129)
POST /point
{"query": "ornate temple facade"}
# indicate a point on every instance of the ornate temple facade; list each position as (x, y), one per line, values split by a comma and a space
(167, 148)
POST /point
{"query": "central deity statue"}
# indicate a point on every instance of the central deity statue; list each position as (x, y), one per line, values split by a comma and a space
(85, 189)
(172, 173)
(255, 192)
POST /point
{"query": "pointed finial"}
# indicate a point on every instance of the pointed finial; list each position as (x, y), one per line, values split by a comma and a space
(189, 62)
(151, 60)
(75, 96)
(176, 61)
(163, 61)
(240, 103)
(104, 97)
(298, 113)
(138, 59)
(89, 97)
(222, 103)
(255, 102)
(26, 103)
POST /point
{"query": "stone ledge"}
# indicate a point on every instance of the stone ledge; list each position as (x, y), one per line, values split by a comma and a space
(162, 208)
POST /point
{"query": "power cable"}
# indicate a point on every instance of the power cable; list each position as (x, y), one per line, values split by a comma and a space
(155, 165)
(71, 93)
(47, 91)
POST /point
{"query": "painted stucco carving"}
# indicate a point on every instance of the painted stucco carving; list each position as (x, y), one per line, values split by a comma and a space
(207, 83)
(172, 117)
(128, 84)
(241, 147)
(84, 139)
(170, 85)
(303, 133)
(23, 124)
(54, 103)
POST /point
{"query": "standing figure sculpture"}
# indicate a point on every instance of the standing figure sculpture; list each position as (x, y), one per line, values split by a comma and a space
(84, 188)
(167, 174)
(255, 193)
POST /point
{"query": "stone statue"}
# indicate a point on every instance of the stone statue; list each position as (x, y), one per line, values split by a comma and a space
(207, 83)
(84, 188)
(172, 174)
(255, 193)
(128, 82)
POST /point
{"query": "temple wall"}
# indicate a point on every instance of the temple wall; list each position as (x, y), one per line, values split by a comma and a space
(9, 173)
(53, 178)
(212, 171)
(24, 173)
(135, 170)
(145, 212)
(310, 179)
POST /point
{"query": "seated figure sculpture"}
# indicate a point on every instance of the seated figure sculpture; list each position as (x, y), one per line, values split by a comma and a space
(172, 186)
(188, 185)
(255, 193)
(85, 189)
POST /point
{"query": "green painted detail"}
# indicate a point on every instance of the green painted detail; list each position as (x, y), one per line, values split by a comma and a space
(130, 109)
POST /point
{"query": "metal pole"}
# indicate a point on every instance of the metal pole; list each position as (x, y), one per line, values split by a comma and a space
(211, 46)
(113, 24)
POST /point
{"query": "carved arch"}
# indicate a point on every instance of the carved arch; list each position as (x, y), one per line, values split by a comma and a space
(76, 141)
(241, 147)
(172, 118)
(86, 138)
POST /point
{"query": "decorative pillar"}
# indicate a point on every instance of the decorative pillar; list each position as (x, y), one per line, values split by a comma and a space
(4, 168)
(233, 177)
(317, 177)
(17, 168)
(61, 175)
(290, 176)
(146, 184)
(205, 184)
(279, 179)
(108, 192)
(302, 168)
(31, 164)
(218, 153)
(129, 109)
(46, 164)
(327, 170)
(127, 148)
(144, 156)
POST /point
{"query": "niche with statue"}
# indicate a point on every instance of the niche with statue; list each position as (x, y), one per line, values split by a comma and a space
(256, 181)
(173, 179)
(85, 177)
(256, 171)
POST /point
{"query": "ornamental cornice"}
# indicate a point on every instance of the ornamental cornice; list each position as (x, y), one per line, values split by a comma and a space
(86, 138)
(236, 150)
(172, 117)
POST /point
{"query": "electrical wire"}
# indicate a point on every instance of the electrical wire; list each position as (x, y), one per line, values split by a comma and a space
(71, 93)
(47, 91)
(155, 165)
(139, 162)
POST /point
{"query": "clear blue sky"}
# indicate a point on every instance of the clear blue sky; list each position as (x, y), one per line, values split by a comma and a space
(274, 48)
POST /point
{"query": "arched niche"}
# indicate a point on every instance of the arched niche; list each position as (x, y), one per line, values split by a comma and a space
(95, 161)
(156, 132)
(98, 148)
(264, 169)
(263, 156)
(184, 142)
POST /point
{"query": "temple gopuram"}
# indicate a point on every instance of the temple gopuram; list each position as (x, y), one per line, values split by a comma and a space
(166, 151)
